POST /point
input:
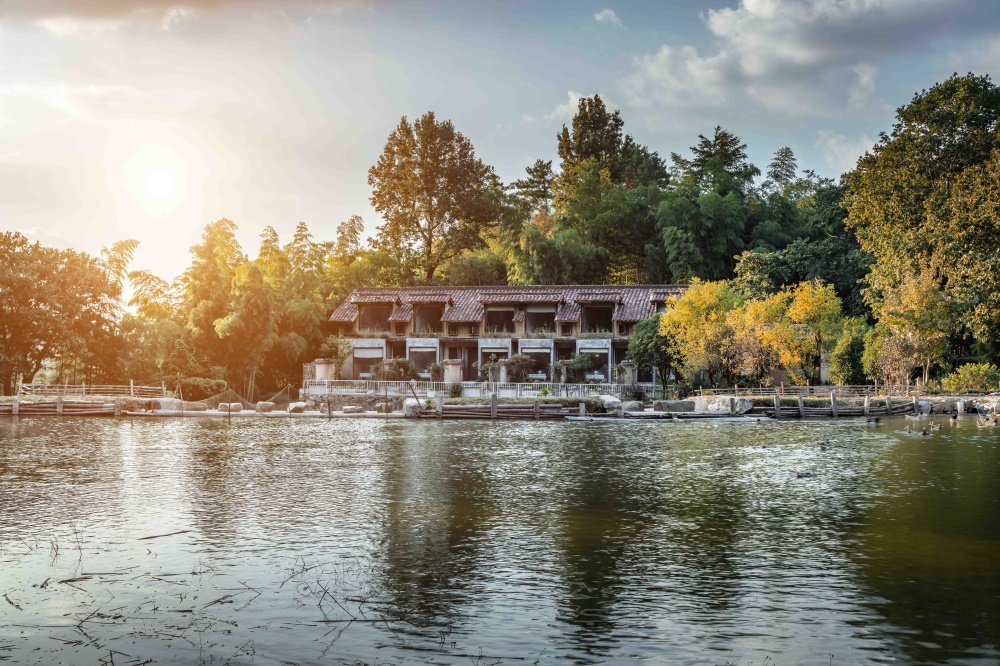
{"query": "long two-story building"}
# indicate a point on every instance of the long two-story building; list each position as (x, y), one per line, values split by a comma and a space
(478, 324)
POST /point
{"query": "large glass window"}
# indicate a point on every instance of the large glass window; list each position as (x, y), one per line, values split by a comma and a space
(542, 363)
(599, 369)
(427, 319)
(499, 320)
(597, 319)
(364, 359)
(540, 320)
(423, 358)
(375, 317)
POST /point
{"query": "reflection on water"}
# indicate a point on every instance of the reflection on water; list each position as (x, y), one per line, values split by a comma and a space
(456, 542)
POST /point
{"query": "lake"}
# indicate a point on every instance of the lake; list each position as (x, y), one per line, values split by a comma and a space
(364, 541)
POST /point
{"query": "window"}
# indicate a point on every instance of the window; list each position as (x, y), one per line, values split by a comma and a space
(399, 329)
(567, 330)
(624, 329)
(452, 329)
(364, 360)
(540, 319)
(542, 362)
(473, 330)
(427, 319)
(375, 317)
(596, 319)
(422, 357)
(500, 320)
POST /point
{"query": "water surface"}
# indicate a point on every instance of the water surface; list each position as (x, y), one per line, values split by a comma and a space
(312, 541)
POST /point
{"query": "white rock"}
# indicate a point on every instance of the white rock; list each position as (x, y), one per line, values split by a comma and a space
(721, 404)
(633, 406)
(610, 402)
(353, 409)
(296, 407)
(265, 406)
(673, 406)
(411, 408)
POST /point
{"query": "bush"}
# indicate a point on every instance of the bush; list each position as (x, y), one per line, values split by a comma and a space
(577, 367)
(634, 392)
(847, 358)
(199, 388)
(973, 378)
(518, 367)
(398, 369)
(436, 371)
(455, 390)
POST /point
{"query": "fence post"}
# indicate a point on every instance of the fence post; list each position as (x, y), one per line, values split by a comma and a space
(59, 405)
(802, 408)
(15, 407)
(118, 406)
(583, 409)
(888, 406)
(163, 387)
(960, 407)
(83, 388)
(536, 408)
(439, 404)
(131, 388)
(833, 404)
(732, 406)
(916, 404)
(493, 406)
(867, 406)
(777, 405)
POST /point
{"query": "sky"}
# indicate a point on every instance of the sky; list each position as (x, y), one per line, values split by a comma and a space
(148, 119)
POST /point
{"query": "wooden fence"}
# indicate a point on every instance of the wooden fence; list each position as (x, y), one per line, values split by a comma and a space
(130, 390)
(859, 390)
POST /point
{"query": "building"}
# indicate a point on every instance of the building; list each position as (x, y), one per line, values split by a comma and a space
(429, 325)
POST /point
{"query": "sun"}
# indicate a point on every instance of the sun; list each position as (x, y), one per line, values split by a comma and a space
(160, 183)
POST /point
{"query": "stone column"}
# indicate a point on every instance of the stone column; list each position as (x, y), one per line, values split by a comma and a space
(629, 368)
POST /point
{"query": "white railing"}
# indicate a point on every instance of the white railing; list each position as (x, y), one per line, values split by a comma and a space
(94, 389)
(319, 387)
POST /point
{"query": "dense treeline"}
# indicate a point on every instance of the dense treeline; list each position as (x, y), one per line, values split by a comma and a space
(895, 263)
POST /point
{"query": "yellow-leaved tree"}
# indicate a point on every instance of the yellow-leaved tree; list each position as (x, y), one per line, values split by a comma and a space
(815, 309)
(697, 323)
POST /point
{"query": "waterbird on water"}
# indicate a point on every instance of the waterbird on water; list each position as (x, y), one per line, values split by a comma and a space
(935, 426)
(873, 421)
(924, 432)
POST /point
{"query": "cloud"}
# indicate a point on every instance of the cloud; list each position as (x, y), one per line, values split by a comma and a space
(70, 16)
(608, 17)
(566, 111)
(839, 152)
(796, 57)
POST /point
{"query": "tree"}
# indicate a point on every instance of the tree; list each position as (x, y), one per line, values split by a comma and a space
(847, 358)
(249, 327)
(919, 312)
(55, 304)
(476, 267)
(762, 341)
(536, 189)
(900, 197)
(889, 356)
(436, 196)
(815, 309)
(650, 350)
(781, 171)
(697, 325)
(348, 244)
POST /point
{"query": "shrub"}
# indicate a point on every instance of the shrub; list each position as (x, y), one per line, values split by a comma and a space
(455, 390)
(973, 377)
(634, 392)
(436, 371)
(518, 367)
(398, 369)
(199, 388)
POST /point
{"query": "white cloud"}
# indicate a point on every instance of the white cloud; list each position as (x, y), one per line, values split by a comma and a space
(608, 17)
(795, 57)
(839, 152)
(565, 112)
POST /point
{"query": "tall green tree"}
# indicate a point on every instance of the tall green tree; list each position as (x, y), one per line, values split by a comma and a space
(435, 195)
(650, 350)
(900, 196)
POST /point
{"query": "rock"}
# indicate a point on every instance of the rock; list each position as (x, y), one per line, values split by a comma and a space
(194, 406)
(610, 402)
(411, 408)
(946, 407)
(673, 406)
(353, 409)
(633, 406)
(264, 407)
(924, 407)
(296, 407)
(383, 408)
(721, 404)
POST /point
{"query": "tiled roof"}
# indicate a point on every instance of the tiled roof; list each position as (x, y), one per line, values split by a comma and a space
(520, 297)
(402, 313)
(632, 303)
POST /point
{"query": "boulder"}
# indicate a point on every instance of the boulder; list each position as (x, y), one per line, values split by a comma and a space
(264, 407)
(924, 407)
(194, 406)
(230, 407)
(946, 407)
(353, 409)
(411, 408)
(673, 406)
(296, 407)
(721, 404)
(610, 402)
(383, 408)
(633, 406)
